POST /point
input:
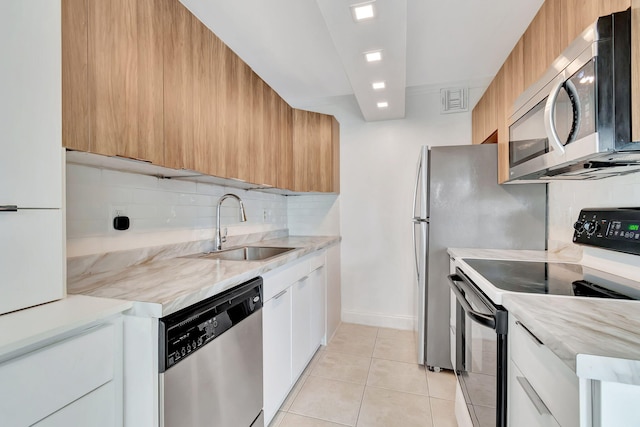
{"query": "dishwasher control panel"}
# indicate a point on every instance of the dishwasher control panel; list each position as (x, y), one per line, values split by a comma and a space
(184, 332)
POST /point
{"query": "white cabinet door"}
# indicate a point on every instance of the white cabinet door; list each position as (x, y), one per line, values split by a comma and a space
(276, 335)
(525, 407)
(334, 291)
(31, 103)
(301, 325)
(31, 248)
(317, 308)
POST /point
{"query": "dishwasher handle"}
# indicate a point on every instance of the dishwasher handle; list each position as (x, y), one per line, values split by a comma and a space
(488, 320)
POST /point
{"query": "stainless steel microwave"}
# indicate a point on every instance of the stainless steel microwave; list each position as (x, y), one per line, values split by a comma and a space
(575, 122)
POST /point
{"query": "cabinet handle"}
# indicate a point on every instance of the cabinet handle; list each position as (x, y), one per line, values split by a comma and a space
(531, 334)
(533, 396)
(9, 208)
(278, 295)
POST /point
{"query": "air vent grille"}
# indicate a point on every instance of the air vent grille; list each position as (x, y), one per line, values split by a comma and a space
(453, 100)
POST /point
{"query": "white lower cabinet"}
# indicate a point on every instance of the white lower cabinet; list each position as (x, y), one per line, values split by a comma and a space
(293, 325)
(543, 391)
(276, 350)
(76, 381)
(301, 325)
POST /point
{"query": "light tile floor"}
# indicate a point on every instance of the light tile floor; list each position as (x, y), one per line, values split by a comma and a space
(368, 377)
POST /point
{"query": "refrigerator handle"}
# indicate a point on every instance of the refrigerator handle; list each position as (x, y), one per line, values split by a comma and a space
(415, 191)
(416, 219)
(415, 251)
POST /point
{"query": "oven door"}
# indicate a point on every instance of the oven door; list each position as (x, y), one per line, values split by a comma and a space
(481, 349)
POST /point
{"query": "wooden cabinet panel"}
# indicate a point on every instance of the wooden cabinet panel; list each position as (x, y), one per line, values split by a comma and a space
(179, 48)
(284, 132)
(75, 86)
(579, 14)
(542, 41)
(635, 67)
(485, 115)
(112, 77)
(267, 164)
(314, 152)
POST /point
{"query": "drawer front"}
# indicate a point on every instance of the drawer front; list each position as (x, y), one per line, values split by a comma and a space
(525, 407)
(39, 383)
(316, 260)
(95, 410)
(555, 383)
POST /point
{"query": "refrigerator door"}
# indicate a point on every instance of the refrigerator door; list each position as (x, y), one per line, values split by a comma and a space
(420, 239)
(469, 209)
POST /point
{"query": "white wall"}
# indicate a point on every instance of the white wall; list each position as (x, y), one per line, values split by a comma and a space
(162, 211)
(377, 174)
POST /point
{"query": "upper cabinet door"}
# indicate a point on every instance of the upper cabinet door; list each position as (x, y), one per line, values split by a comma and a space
(113, 77)
(30, 110)
(316, 145)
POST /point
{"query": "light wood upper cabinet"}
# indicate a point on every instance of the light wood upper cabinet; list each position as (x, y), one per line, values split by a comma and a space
(635, 74)
(145, 79)
(541, 41)
(579, 14)
(284, 134)
(315, 150)
(485, 115)
(112, 77)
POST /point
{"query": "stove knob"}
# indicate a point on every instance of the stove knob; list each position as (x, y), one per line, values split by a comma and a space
(578, 226)
(591, 227)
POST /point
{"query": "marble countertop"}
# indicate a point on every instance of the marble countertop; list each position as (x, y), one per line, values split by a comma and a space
(597, 338)
(25, 329)
(164, 286)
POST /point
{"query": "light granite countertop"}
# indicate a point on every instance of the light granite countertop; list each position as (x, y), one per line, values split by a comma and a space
(597, 338)
(161, 285)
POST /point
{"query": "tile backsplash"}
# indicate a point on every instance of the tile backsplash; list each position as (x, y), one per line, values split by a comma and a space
(162, 211)
(314, 215)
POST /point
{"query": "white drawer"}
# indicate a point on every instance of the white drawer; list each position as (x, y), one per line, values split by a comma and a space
(555, 383)
(526, 409)
(95, 410)
(39, 383)
(281, 278)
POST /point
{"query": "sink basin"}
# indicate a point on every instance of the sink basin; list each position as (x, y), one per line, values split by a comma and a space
(244, 253)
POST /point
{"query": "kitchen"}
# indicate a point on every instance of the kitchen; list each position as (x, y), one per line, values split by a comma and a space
(368, 201)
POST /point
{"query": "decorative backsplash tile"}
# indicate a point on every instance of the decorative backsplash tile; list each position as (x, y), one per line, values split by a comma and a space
(162, 211)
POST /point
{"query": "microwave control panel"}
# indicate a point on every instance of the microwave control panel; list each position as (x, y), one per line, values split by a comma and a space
(617, 229)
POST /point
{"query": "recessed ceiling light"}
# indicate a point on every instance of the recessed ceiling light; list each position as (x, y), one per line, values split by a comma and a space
(383, 104)
(378, 85)
(374, 56)
(362, 11)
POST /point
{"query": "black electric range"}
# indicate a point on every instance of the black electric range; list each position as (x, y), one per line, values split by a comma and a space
(481, 369)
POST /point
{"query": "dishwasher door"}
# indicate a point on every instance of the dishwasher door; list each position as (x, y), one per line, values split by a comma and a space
(219, 385)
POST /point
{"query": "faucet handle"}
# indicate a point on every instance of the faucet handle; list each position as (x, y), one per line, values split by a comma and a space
(224, 236)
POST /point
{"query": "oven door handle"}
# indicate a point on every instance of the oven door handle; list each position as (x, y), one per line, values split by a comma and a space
(488, 320)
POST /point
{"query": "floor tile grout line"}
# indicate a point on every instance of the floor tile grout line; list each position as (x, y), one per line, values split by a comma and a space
(364, 390)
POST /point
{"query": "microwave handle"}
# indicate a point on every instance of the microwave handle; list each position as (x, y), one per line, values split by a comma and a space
(549, 117)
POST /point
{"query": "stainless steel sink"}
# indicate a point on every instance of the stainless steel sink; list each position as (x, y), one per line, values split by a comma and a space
(244, 253)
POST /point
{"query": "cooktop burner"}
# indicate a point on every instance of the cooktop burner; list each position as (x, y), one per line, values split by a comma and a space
(554, 279)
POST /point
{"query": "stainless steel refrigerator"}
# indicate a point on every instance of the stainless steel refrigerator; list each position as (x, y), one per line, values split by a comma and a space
(459, 203)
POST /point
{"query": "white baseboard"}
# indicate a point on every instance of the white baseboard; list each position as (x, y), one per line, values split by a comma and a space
(379, 320)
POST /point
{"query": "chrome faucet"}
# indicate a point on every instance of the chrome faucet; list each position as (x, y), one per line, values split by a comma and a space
(243, 218)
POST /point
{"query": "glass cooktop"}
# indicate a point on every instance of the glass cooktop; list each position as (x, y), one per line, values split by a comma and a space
(555, 279)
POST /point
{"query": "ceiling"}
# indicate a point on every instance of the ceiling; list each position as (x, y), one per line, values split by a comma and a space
(309, 50)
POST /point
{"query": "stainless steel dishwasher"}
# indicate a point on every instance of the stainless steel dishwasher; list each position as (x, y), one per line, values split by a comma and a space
(211, 361)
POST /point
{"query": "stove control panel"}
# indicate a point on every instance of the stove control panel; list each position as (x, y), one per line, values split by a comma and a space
(617, 229)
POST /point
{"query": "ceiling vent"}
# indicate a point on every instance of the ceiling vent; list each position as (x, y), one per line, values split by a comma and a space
(453, 100)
